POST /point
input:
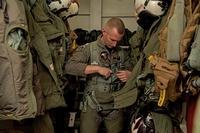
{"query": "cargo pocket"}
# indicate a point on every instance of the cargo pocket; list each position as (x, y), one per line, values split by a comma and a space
(16, 39)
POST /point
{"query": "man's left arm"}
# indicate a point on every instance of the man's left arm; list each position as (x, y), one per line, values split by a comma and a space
(123, 75)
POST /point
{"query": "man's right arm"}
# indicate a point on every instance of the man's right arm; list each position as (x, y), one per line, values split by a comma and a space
(90, 69)
(78, 64)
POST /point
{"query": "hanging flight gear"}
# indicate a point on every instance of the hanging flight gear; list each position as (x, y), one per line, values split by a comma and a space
(166, 75)
(17, 100)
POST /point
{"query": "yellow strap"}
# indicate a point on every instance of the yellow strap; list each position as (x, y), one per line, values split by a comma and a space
(72, 47)
(162, 98)
(151, 58)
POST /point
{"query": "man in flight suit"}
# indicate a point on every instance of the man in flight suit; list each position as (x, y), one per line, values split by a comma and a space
(105, 66)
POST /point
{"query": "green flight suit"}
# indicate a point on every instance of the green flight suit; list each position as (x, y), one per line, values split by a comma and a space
(47, 33)
(48, 40)
(135, 43)
(142, 79)
(17, 100)
(98, 100)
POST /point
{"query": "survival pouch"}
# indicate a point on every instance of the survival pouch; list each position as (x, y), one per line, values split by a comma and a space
(166, 75)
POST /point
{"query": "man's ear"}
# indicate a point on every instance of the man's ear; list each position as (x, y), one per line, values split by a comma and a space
(103, 30)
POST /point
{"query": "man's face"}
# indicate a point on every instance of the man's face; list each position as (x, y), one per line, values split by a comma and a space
(111, 37)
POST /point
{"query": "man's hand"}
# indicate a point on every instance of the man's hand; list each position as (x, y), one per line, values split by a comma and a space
(90, 69)
(106, 72)
(123, 75)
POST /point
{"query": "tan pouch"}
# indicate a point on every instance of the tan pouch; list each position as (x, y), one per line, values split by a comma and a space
(166, 75)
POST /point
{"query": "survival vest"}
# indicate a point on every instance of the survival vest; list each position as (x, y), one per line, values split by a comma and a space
(99, 89)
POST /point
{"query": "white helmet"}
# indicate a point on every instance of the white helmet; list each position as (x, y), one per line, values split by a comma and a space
(64, 8)
(57, 5)
(155, 7)
(143, 124)
(73, 9)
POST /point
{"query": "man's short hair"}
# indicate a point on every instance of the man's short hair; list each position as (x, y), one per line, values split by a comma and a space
(117, 23)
